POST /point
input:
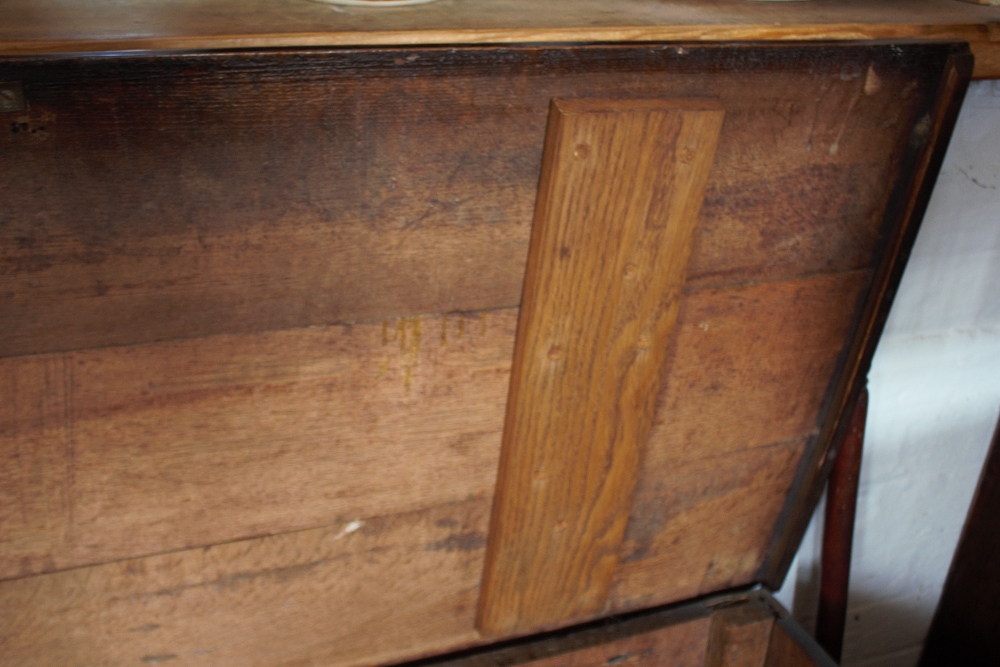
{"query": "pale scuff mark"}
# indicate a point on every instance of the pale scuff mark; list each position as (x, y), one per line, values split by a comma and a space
(349, 528)
(873, 82)
(835, 146)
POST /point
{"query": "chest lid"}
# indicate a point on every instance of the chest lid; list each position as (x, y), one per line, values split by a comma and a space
(434, 345)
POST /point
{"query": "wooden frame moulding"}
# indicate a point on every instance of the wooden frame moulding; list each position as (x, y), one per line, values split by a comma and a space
(621, 187)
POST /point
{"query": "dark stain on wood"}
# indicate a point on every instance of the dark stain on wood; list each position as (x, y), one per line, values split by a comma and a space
(467, 541)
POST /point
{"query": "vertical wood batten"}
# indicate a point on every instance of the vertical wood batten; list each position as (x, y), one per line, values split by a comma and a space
(621, 188)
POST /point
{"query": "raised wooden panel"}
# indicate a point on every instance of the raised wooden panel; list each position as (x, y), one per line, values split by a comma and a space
(621, 187)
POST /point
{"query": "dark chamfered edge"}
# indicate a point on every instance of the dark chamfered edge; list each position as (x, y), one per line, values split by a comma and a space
(797, 633)
(904, 222)
(567, 58)
(492, 653)
(594, 633)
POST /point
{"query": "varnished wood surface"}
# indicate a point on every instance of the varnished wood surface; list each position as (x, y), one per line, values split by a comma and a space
(60, 26)
(838, 533)
(621, 188)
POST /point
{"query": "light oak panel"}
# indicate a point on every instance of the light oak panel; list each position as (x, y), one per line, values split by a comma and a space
(622, 184)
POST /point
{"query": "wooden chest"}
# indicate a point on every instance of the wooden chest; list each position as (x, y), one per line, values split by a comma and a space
(271, 357)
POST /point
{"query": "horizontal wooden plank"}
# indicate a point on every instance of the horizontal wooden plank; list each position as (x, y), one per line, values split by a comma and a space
(621, 188)
(57, 27)
(129, 451)
(121, 452)
(408, 191)
(702, 526)
(674, 637)
(362, 592)
(751, 366)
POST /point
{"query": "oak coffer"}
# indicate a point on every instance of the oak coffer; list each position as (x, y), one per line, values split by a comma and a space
(362, 356)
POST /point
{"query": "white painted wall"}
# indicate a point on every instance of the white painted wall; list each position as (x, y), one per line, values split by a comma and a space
(934, 398)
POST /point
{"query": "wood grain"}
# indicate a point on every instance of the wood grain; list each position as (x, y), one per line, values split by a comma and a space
(269, 432)
(751, 366)
(60, 27)
(736, 412)
(122, 452)
(703, 527)
(379, 590)
(739, 636)
(622, 184)
(925, 155)
(293, 207)
(215, 214)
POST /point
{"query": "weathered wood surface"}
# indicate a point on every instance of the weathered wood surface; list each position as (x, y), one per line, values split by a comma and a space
(380, 590)
(621, 189)
(929, 141)
(32, 26)
(121, 452)
(287, 206)
(732, 422)
(164, 446)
